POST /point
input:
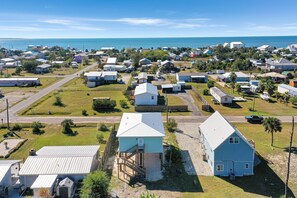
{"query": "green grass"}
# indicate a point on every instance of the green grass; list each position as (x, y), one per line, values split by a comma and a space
(242, 108)
(54, 137)
(45, 82)
(175, 100)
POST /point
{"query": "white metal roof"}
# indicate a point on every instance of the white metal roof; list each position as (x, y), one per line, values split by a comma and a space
(111, 60)
(104, 73)
(141, 125)
(216, 129)
(146, 88)
(238, 75)
(64, 151)
(142, 75)
(7, 59)
(3, 170)
(36, 165)
(16, 79)
(44, 181)
(8, 162)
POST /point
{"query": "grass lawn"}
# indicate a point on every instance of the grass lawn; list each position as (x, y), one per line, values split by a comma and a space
(175, 100)
(45, 82)
(54, 137)
(242, 108)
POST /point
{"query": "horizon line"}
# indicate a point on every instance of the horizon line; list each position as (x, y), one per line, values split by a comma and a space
(149, 37)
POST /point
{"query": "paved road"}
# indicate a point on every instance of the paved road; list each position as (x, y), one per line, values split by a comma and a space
(26, 103)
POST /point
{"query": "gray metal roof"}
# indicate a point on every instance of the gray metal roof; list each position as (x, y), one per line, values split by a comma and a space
(219, 91)
(64, 151)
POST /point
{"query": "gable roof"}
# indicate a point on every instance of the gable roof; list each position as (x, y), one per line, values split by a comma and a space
(44, 181)
(68, 151)
(219, 92)
(216, 129)
(146, 88)
(141, 125)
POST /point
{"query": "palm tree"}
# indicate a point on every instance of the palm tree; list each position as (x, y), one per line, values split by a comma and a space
(271, 125)
(232, 80)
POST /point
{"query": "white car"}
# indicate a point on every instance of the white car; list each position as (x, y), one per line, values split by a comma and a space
(265, 96)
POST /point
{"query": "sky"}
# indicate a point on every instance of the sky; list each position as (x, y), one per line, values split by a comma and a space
(146, 18)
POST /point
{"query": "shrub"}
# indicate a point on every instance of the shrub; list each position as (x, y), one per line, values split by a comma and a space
(132, 102)
(99, 105)
(96, 184)
(205, 92)
(36, 128)
(148, 195)
(124, 104)
(66, 126)
(103, 127)
(210, 84)
(58, 101)
(171, 125)
(84, 112)
(100, 137)
(174, 154)
(17, 127)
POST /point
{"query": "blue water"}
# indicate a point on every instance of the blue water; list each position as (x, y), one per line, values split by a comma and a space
(119, 43)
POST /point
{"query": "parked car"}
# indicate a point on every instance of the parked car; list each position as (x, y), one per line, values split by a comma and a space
(265, 96)
(254, 119)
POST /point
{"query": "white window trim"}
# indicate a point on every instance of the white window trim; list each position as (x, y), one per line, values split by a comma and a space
(218, 167)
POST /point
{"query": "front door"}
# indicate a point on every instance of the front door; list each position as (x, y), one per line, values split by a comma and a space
(140, 142)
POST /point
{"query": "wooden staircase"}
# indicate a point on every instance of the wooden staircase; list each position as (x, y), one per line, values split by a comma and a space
(125, 159)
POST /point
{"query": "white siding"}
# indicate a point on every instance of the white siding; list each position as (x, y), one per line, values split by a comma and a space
(146, 99)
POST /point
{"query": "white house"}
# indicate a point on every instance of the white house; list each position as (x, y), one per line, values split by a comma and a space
(140, 138)
(9, 173)
(119, 68)
(11, 82)
(226, 150)
(53, 163)
(236, 45)
(283, 88)
(240, 77)
(99, 78)
(266, 48)
(168, 88)
(221, 96)
(146, 94)
(144, 61)
(192, 77)
(280, 65)
(111, 61)
(142, 77)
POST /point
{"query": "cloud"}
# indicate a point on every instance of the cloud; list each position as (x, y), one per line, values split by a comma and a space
(79, 27)
(141, 21)
(286, 27)
(58, 21)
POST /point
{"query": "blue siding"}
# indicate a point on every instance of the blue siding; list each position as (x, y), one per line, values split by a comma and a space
(234, 157)
(152, 144)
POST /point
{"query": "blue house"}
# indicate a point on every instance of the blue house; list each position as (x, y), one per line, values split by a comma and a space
(140, 137)
(226, 150)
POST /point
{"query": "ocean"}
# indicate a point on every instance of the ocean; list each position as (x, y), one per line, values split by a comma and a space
(120, 43)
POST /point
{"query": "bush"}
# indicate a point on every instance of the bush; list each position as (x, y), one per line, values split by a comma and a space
(84, 112)
(66, 126)
(171, 125)
(17, 127)
(36, 128)
(96, 184)
(147, 195)
(99, 105)
(210, 84)
(205, 92)
(103, 127)
(132, 102)
(124, 104)
(58, 101)
(100, 137)
(174, 153)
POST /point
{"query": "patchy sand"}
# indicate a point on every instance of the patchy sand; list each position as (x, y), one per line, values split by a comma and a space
(11, 144)
(13, 98)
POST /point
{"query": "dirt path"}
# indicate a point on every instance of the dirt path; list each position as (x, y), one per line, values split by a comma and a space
(187, 97)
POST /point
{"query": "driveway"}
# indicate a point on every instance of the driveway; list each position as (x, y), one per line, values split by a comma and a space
(188, 141)
(189, 100)
(126, 77)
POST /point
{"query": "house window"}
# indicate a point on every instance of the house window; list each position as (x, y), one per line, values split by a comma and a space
(247, 166)
(234, 140)
(153, 97)
(226, 99)
(220, 167)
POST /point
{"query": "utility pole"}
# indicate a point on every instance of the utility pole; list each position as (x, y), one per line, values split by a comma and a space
(254, 102)
(7, 114)
(166, 107)
(289, 158)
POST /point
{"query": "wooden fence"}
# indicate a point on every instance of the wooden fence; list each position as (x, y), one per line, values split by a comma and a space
(108, 148)
(160, 108)
(205, 105)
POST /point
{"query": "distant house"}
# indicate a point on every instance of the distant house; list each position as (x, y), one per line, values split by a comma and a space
(192, 77)
(74, 64)
(226, 150)
(111, 61)
(293, 83)
(283, 88)
(280, 65)
(100, 78)
(17, 82)
(144, 61)
(293, 48)
(266, 48)
(43, 169)
(9, 173)
(256, 63)
(146, 94)
(169, 88)
(167, 66)
(140, 137)
(276, 77)
(236, 45)
(57, 62)
(143, 77)
(44, 68)
(10, 63)
(127, 62)
(119, 68)
(208, 52)
(240, 77)
(79, 57)
(222, 97)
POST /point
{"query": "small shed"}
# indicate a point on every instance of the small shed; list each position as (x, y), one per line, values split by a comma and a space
(65, 188)
(221, 96)
(43, 184)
